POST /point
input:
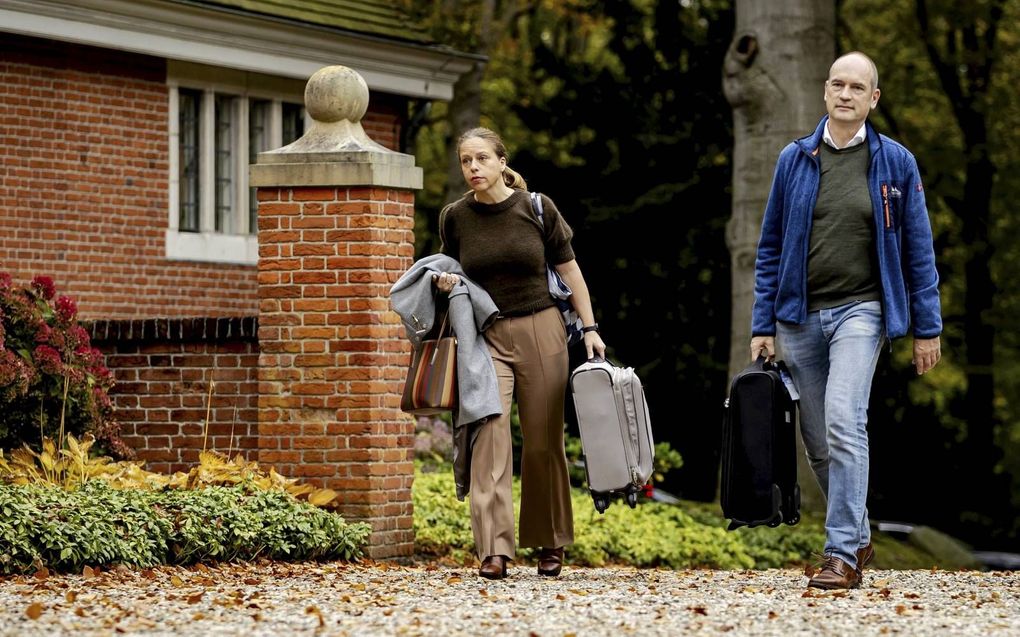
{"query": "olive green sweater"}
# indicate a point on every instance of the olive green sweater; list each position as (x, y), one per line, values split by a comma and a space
(842, 262)
(503, 248)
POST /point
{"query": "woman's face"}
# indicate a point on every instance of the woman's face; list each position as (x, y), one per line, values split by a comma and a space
(482, 168)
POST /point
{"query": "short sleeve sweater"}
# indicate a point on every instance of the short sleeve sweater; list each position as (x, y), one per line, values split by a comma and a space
(503, 248)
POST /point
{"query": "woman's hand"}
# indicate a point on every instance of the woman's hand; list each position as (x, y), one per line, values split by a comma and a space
(593, 343)
(445, 281)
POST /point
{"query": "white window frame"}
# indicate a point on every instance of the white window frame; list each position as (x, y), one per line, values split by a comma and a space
(208, 245)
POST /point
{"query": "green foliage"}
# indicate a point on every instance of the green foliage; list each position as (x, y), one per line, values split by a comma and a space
(95, 524)
(442, 523)
(51, 378)
(653, 534)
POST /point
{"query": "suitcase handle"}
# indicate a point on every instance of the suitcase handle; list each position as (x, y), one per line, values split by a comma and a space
(596, 359)
(768, 365)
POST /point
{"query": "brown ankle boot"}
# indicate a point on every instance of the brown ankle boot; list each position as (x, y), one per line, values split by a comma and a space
(835, 573)
(864, 557)
(493, 567)
(550, 561)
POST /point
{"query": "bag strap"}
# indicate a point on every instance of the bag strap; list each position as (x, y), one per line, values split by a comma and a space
(442, 327)
(536, 205)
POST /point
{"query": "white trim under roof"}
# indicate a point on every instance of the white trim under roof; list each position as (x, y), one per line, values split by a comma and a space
(275, 47)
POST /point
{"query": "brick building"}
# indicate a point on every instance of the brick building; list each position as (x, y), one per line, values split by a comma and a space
(126, 132)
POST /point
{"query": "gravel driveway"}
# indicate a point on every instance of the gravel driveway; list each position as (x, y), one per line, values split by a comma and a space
(385, 599)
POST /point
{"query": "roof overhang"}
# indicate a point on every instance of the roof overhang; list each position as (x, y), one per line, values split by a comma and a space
(240, 41)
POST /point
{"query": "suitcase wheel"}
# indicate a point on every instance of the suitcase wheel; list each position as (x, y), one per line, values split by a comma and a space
(795, 519)
(601, 502)
(776, 520)
(632, 500)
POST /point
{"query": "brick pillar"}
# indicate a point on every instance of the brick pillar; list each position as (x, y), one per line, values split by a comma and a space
(336, 220)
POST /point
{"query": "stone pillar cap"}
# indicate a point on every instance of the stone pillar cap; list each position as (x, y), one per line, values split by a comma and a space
(335, 151)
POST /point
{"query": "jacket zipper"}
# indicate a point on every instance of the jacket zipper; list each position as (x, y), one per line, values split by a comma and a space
(885, 205)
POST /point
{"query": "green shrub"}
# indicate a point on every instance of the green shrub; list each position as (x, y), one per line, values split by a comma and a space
(654, 534)
(95, 524)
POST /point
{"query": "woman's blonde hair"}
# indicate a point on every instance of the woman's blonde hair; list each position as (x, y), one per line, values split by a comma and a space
(510, 177)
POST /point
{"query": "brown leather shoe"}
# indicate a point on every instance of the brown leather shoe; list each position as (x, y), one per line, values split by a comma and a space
(550, 562)
(835, 573)
(864, 557)
(493, 567)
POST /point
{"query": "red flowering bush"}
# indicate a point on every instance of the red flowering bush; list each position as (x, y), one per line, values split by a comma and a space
(48, 367)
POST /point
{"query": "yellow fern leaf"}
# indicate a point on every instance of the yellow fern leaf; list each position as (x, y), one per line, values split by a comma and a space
(296, 490)
(321, 497)
(72, 446)
(46, 460)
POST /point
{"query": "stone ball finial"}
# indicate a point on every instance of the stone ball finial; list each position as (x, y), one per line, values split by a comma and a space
(336, 93)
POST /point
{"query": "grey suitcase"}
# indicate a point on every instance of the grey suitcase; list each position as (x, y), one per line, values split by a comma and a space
(616, 432)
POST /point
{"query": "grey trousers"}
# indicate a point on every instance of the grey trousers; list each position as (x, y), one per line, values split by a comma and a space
(530, 355)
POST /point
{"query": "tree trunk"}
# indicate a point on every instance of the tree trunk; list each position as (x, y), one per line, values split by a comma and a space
(465, 113)
(773, 77)
(466, 105)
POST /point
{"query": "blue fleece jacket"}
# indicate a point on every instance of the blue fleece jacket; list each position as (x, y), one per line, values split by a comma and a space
(903, 241)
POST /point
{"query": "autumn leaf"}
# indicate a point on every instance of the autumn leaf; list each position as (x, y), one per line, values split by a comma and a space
(195, 598)
(454, 580)
(90, 572)
(321, 497)
(34, 610)
(70, 596)
(312, 610)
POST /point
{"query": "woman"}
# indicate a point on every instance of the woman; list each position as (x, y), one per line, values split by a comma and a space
(501, 245)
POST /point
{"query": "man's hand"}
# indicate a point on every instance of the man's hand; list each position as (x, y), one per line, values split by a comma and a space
(927, 354)
(763, 345)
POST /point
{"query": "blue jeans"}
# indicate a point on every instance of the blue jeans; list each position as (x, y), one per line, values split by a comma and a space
(832, 358)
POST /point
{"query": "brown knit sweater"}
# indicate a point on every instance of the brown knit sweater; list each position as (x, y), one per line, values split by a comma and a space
(503, 248)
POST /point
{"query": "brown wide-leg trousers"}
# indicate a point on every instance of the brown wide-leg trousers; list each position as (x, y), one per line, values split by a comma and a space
(530, 355)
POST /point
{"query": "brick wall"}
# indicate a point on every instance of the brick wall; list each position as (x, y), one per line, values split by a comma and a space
(163, 370)
(84, 183)
(384, 119)
(333, 354)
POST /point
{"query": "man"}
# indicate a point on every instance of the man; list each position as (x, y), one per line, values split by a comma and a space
(845, 260)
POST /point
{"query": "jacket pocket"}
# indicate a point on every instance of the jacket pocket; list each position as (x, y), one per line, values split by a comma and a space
(892, 205)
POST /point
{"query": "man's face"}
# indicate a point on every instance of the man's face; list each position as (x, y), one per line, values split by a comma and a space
(849, 92)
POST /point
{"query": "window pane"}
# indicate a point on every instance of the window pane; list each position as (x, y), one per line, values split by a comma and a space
(188, 103)
(258, 141)
(293, 122)
(224, 164)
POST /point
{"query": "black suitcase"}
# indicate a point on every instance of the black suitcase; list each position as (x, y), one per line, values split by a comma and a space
(759, 449)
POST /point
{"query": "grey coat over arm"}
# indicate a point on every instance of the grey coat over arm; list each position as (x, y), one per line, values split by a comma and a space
(471, 312)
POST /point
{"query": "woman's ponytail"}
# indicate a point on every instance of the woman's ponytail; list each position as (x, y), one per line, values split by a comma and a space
(513, 179)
